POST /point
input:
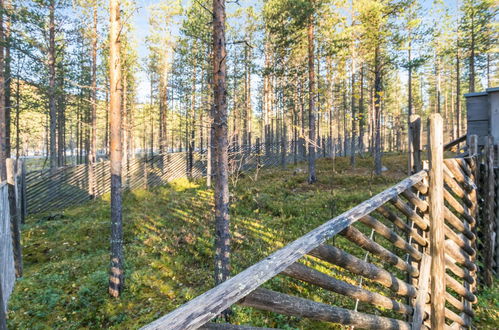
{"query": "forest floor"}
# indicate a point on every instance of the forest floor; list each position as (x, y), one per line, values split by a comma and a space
(168, 248)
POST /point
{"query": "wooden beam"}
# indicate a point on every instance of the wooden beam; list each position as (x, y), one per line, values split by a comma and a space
(452, 143)
(355, 236)
(436, 211)
(390, 235)
(289, 305)
(421, 298)
(357, 266)
(312, 276)
(389, 215)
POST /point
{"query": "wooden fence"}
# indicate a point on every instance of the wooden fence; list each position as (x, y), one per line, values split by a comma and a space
(11, 216)
(51, 190)
(418, 266)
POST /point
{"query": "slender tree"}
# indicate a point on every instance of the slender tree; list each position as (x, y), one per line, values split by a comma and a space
(116, 279)
(220, 123)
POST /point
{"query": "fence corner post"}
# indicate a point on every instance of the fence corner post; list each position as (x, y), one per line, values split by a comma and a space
(14, 216)
(436, 212)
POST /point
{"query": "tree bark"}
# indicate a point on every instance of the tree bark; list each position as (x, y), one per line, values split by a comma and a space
(51, 91)
(3, 126)
(222, 233)
(311, 101)
(377, 112)
(116, 279)
(93, 117)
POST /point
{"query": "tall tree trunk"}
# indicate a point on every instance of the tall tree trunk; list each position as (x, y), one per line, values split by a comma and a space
(354, 118)
(458, 95)
(409, 111)
(362, 115)
(116, 279)
(61, 120)
(8, 78)
(52, 93)
(377, 112)
(311, 101)
(93, 117)
(472, 56)
(222, 229)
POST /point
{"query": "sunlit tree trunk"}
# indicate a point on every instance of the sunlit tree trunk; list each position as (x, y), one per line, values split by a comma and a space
(311, 101)
(93, 117)
(222, 233)
(116, 279)
(52, 87)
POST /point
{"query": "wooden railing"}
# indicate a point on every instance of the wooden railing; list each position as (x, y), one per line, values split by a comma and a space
(421, 274)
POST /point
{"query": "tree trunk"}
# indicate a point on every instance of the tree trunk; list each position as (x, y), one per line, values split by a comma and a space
(409, 112)
(93, 117)
(8, 78)
(472, 56)
(377, 112)
(354, 119)
(458, 95)
(311, 102)
(116, 279)
(51, 91)
(222, 231)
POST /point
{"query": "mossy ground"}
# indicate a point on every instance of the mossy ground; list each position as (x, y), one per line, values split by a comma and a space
(169, 254)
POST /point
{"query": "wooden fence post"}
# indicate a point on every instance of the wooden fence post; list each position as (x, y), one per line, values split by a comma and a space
(14, 216)
(473, 147)
(24, 202)
(488, 229)
(436, 213)
(415, 162)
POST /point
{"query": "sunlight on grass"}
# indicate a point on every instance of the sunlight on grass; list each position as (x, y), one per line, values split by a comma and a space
(169, 248)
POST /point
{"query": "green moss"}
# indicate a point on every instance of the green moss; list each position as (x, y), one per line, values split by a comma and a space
(168, 247)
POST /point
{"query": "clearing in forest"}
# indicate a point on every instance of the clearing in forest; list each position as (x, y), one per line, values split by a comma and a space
(169, 247)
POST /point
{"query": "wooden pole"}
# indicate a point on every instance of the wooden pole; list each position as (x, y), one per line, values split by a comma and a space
(473, 147)
(14, 216)
(436, 213)
(488, 224)
(415, 162)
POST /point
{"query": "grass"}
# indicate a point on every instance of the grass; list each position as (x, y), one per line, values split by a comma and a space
(168, 248)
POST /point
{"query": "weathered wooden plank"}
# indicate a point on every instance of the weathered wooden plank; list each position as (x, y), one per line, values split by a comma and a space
(227, 326)
(437, 233)
(312, 276)
(355, 236)
(455, 142)
(390, 235)
(208, 305)
(421, 298)
(357, 266)
(288, 305)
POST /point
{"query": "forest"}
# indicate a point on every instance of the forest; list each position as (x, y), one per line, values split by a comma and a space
(88, 81)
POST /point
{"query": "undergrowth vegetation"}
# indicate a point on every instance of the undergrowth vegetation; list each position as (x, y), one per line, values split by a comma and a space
(169, 248)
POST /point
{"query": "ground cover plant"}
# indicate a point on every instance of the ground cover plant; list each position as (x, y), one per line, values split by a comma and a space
(169, 248)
